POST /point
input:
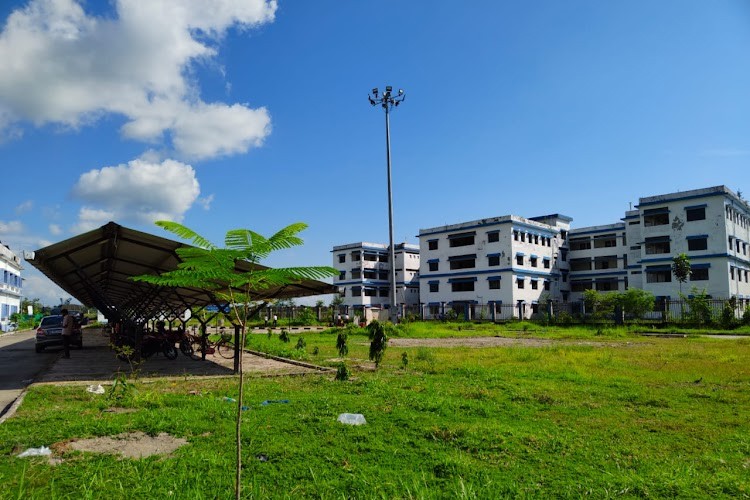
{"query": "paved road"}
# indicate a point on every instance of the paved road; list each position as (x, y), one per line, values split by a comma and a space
(20, 365)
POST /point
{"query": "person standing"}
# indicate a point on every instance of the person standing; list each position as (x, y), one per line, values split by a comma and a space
(67, 332)
(275, 320)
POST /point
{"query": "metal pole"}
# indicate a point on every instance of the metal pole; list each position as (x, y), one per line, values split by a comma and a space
(393, 311)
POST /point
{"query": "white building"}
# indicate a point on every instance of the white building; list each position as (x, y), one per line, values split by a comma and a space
(710, 225)
(10, 287)
(507, 263)
(364, 274)
(598, 259)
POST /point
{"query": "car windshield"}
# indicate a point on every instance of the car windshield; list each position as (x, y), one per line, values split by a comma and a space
(51, 321)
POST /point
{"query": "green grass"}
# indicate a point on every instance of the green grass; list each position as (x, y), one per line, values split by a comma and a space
(636, 418)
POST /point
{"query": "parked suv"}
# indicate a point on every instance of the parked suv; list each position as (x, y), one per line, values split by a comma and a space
(49, 333)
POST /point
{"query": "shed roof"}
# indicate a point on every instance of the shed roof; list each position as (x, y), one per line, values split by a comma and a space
(95, 268)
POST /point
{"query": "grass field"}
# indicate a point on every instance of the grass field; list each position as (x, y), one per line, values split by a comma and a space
(624, 417)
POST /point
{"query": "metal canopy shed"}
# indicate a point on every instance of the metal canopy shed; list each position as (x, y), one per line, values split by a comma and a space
(95, 268)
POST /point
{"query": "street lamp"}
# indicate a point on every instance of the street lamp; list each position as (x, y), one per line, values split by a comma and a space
(387, 100)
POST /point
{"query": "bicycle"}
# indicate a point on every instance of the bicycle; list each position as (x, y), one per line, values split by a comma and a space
(223, 345)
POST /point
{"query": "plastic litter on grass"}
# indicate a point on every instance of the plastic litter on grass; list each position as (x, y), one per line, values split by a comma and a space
(352, 419)
(95, 389)
(36, 452)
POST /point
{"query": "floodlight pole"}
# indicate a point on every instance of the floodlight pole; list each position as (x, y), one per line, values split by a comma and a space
(387, 101)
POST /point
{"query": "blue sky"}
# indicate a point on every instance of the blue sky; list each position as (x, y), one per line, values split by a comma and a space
(254, 114)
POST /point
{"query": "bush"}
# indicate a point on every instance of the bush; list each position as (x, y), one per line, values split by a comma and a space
(342, 343)
(301, 344)
(728, 321)
(746, 316)
(378, 341)
(342, 372)
(284, 336)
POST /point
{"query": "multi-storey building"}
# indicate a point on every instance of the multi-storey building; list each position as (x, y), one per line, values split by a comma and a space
(598, 259)
(710, 225)
(10, 288)
(364, 274)
(507, 260)
(518, 262)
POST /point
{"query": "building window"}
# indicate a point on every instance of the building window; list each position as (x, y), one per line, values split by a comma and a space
(385, 292)
(355, 256)
(463, 262)
(546, 263)
(607, 241)
(519, 260)
(656, 217)
(432, 244)
(523, 237)
(659, 276)
(534, 284)
(546, 285)
(463, 286)
(495, 285)
(606, 285)
(493, 237)
(536, 239)
(580, 243)
(699, 274)
(383, 275)
(520, 282)
(581, 285)
(580, 264)
(731, 272)
(371, 274)
(342, 258)
(564, 254)
(356, 274)
(342, 275)
(730, 242)
(657, 245)
(515, 235)
(461, 240)
(698, 213)
(493, 260)
(356, 291)
(697, 244)
(383, 257)
(434, 287)
(533, 260)
(371, 292)
(433, 266)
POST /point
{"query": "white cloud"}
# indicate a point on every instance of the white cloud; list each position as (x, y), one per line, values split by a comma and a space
(140, 191)
(55, 229)
(24, 207)
(10, 227)
(38, 286)
(206, 201)
(60, 65)
(91, 218)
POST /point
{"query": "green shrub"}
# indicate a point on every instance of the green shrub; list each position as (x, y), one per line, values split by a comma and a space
(342, 343)
(342, 372)
(301, 344)
(404, 359)
(378, 341)
(284, 336)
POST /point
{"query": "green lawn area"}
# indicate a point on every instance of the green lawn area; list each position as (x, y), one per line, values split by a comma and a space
(625, 417)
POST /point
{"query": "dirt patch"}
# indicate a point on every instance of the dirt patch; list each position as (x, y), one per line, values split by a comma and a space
(130, 445)
(495, 342)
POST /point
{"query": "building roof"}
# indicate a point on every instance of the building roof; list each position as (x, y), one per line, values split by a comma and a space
(96, 267)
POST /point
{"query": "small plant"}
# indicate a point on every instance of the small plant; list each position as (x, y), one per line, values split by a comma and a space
(342, 372)
(404, 360)
(121, 389)
(378, 341)
(315, 351)
(284, 336)
(301, 344)
(270, 332)
(342, 343)
(728, 321)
